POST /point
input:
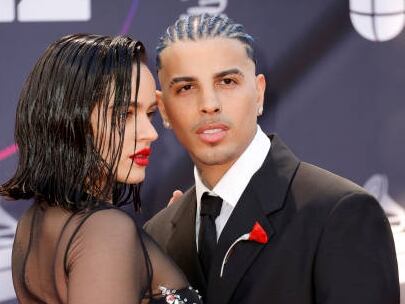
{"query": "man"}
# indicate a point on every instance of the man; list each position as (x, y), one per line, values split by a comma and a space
(259, 226)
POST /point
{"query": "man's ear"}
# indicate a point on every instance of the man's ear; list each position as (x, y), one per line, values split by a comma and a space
(260, 89)
(161, 106)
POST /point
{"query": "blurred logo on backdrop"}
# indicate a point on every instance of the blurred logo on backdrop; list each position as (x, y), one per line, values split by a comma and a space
(377, 185)
(8, 226)
(378, 20)
(45, 10)
(207, 6)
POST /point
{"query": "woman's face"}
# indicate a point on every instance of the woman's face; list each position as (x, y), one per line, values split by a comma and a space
(133, 160)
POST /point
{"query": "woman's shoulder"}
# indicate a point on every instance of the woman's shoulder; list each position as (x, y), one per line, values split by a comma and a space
(107, 234)
(106, 249)
(104, 223)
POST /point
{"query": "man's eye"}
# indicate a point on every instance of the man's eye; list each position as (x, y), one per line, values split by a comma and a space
(228, 81)
(185, 88)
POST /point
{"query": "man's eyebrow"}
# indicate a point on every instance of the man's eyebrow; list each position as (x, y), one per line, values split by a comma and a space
(218, 75)
(181, 79)
(229, 72)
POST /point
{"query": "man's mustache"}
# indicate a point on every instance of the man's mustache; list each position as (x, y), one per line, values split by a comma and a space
(212, 121)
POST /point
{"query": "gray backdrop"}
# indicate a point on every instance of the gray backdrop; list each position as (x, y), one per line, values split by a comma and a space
(334, 96)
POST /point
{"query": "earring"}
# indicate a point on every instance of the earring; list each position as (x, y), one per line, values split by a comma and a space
(260, 111)
(166, 124)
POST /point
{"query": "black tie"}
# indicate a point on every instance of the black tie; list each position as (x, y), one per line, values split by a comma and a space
(207, 237)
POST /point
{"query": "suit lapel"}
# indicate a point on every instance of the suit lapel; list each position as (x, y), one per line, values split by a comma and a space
(220, 289)
(182, 244)
(264, 195)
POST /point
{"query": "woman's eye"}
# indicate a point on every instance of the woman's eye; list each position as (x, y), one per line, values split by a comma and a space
(150, 114)
(124, 115)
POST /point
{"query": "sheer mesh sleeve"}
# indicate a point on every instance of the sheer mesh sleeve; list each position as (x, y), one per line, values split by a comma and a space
(105, 261)
(165, 272)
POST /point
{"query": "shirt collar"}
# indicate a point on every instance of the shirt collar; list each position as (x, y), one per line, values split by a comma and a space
(231, 186)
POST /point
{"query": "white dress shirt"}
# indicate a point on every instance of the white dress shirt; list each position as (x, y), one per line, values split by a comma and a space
(234, 182)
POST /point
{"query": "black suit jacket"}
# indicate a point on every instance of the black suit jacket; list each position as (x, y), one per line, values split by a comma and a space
(329, 241)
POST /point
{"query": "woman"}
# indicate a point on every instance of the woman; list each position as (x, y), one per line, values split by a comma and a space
(84, 133)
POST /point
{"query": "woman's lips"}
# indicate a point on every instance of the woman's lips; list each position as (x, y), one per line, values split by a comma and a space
(141, 157)
(212, 133)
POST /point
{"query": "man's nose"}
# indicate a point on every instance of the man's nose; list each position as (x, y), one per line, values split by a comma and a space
(210, 103)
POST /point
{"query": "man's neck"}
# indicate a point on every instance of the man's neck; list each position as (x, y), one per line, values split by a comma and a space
(211, 174)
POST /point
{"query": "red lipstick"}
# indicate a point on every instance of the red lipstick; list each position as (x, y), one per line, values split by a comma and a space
(141, 157)
(212, 133)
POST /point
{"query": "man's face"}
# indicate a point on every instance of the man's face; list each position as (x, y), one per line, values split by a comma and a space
(211, 97)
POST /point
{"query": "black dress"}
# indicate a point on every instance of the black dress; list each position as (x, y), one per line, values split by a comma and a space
(93, 256)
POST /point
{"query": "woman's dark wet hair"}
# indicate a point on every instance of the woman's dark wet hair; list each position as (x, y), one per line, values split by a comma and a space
(59, 154)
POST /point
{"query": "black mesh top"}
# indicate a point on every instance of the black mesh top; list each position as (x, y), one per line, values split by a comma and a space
(96, 256)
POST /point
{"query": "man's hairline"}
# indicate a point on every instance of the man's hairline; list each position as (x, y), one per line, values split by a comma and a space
(246, 46)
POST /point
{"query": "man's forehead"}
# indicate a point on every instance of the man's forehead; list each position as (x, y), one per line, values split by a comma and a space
(200, 46)
(217, 53)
